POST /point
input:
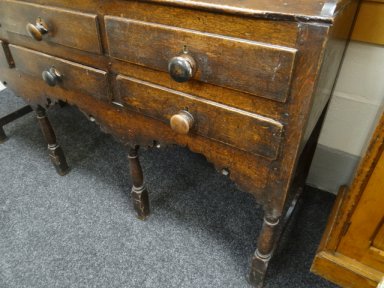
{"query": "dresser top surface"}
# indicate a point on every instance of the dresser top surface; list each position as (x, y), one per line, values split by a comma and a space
(301, 10)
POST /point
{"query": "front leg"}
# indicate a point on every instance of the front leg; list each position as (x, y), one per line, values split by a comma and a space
(55, 152)
(265, 247)
(139, 192)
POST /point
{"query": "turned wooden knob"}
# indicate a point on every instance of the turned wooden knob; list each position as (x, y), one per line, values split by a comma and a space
(36, 31)
(182, 122)
(182, 68)
(51, 76)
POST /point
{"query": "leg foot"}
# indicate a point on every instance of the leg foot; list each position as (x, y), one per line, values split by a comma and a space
(58, 159)
(139, 192)
(264, 251)
(55, 152)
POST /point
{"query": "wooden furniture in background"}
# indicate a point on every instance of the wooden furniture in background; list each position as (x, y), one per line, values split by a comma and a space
(243, 82)
(369, 25)
(351, 253)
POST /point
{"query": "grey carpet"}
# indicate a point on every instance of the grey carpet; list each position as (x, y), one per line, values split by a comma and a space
(80, 230)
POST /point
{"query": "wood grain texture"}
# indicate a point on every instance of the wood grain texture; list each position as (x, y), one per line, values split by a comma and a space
(74, 76)
(260, 69)
(363, 241)
(333, 54)
(64, 26)
(354, 231)
(240, 129)
(303, 10)
(233, 98)
(345, 271)
(369, 25)
(248, 171)
(291, 10)
(238, 88)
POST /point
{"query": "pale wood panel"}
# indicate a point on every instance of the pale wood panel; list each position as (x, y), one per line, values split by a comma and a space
(369, 25)
(366, 219)
(378, 240)
(350, 252)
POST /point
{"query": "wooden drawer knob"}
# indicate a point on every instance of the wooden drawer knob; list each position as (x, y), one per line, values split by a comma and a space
(36, 31)
(182, 68)
(182, 122)
(51, 76)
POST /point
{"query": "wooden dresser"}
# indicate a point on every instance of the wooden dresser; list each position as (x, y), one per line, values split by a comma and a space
(243, 82)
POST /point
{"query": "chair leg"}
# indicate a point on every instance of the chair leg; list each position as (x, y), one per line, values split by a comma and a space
(12, 117)
(265, 248)
(139, 192)
(55, 152)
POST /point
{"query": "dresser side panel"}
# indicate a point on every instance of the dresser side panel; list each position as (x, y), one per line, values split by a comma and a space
(337, 42)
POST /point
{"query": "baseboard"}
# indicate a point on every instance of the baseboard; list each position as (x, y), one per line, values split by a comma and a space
(331, 169)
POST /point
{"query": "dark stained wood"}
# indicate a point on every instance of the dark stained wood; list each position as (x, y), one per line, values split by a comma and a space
(131, 95)
(265, 246)
(249, 172)
(292, 10)
(55, 151)
(76, 77)
(275, 32)
(259, 135)
(230, 97)
(257, 68)
(333, 55)
(304, 10)
(64, 26)
(7, 54)
(139, 192)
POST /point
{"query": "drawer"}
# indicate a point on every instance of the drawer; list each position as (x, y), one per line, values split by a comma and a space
(73, 76)
(65, 27)
(237, 128)
(257, 68)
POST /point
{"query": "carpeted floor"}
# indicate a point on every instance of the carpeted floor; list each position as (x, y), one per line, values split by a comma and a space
(80, 230)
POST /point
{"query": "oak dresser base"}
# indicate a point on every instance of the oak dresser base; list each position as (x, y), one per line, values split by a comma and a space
(243, 82)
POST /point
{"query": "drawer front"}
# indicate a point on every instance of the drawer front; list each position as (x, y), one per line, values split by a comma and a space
(246, 131)
(65, 27)
(74, 77)
(256, 68)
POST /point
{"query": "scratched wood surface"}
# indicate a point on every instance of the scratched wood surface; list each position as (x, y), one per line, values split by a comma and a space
(248, 124)
(260, 69)
(64, 26)
(75, 76)
(255, 134)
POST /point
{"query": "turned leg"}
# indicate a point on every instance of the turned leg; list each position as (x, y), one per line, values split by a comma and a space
(12, 117)
(139, 192)
(265, 248)
(55, 152)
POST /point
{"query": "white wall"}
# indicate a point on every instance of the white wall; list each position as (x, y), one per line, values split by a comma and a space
(351, 117)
